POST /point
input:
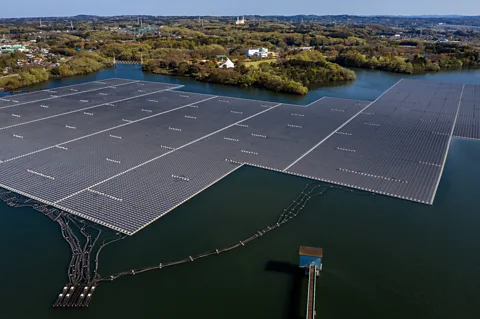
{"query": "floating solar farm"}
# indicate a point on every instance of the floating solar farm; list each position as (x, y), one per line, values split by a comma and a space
(123, 153)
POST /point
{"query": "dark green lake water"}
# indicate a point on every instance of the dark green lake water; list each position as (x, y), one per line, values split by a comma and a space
(383, 257)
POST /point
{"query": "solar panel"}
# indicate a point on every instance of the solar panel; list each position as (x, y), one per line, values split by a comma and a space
(275, 139)
(54, 93)
(123, 153)
(397, 146)
(468, 121)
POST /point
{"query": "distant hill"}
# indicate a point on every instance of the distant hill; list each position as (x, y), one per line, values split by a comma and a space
(86, 17)
(452, 19)
(453, 16)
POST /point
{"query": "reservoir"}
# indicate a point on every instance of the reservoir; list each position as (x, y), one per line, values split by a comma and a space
(383, 257)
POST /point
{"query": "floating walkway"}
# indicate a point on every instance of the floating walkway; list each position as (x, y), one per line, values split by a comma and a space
(297, 205)
(311, 260)
(311, 313)
(83, 238)
(83, 270)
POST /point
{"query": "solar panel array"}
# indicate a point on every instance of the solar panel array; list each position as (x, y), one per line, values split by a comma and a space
(124, 153)
(50, 94)
(468, 121)
(275, 139)
(397, 146)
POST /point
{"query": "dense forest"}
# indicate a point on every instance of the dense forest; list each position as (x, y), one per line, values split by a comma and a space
(292, 73)
(440, 57)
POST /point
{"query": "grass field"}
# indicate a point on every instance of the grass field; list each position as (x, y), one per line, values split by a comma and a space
(256, 63)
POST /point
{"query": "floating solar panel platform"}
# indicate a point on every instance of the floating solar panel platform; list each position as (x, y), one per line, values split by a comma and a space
(468, 121)
(123, 153)
(396, 146)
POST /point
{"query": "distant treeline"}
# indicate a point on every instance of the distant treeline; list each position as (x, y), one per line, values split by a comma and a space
(435, 57)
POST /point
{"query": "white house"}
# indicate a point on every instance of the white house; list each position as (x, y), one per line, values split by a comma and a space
(227, 64)
(261, 53)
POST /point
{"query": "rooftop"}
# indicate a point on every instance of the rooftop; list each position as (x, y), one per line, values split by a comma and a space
(311, 251)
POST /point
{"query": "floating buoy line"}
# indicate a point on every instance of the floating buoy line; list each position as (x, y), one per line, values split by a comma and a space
(84, 240)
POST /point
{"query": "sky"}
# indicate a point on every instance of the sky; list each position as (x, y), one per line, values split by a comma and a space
(48, 8)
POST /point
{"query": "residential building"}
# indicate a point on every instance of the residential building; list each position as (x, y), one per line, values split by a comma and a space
(261, 53)
(11, 48)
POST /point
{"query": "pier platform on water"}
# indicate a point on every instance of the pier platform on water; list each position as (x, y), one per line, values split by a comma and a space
(75, 296)
(311, 260)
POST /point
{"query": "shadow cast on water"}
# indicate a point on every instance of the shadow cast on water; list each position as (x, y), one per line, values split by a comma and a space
(296, 294)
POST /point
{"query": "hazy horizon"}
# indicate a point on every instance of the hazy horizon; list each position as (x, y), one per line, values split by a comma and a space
(105, 8)
(242, 15)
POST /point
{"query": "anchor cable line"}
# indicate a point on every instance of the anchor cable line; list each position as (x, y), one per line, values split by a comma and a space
(83, 238)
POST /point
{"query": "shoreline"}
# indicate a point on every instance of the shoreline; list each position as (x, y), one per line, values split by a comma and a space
(20, 89)
(24, 88)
